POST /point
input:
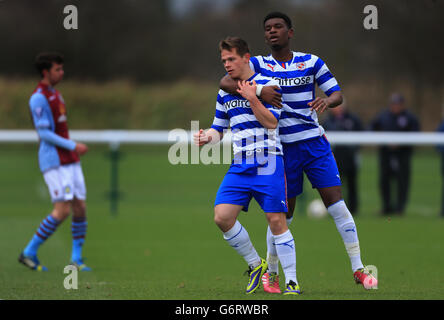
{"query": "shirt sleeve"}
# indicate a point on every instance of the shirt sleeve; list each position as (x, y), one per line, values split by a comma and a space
(40, 111)
(324, 78)
(53, 138)
(42, 117)
(254, 65)
(221, 120)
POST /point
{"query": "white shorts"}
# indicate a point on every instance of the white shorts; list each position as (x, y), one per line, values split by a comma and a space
(66, 182)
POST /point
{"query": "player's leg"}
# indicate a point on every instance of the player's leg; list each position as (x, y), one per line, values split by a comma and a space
(294, 183)
(270, 191)
(79, 226)
(61, 194)
(233, 196)
(285, 248)
(323, 173)
(46, 228)
(272, 256)
(79, 219)
(225, 217)
(345, 224)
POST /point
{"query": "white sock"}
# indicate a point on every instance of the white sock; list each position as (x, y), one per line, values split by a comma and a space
(238, 238)
(272, 257)
(286, 252)
(347, 229)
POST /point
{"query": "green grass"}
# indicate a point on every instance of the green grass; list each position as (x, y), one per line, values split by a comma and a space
(163, 243)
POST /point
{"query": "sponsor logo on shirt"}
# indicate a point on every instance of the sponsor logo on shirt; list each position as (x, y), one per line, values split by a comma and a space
(237, 104)
(299, 81)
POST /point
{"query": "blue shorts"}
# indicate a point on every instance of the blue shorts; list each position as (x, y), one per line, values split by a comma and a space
(315, 158)
(269, 190)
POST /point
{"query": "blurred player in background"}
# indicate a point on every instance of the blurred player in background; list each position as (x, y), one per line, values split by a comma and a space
(341, 119)
(59, 162)
(395, 160)
(257, 169)
(306, 148)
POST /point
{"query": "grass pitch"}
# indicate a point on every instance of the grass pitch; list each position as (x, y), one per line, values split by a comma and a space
(163, 243)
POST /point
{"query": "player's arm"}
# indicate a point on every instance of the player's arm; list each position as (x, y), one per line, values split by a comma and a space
(268, 94)
(320, 104)
(209, 136)
(40, 113)
(220, 123)
(327, 83)
(262, 114)
(50, 137)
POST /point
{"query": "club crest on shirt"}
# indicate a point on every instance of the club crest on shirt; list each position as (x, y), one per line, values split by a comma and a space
(300, 65)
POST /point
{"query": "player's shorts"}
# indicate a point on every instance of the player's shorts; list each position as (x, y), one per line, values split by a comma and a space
(66, 182)
(269, 190)
(315, 158)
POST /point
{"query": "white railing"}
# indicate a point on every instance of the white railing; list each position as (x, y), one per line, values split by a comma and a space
(117, 137)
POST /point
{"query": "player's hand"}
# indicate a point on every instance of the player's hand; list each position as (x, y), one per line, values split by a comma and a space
(201, 138)
(271, 96)
(319, 104)
(247, 89)
(81, 148)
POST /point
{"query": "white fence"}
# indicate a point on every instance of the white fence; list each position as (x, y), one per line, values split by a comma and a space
(117, 137)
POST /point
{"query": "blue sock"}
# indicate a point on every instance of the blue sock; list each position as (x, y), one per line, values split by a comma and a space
(78, 229)
(47, 227)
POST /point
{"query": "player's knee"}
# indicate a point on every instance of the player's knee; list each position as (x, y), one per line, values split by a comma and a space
(61, 210)
(277, 223)
(330, 195)
(218, 218)
(221, 219)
